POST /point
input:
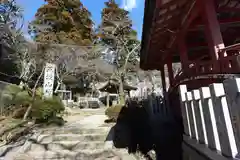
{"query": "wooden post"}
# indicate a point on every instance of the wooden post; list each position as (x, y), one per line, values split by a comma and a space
(183, 51)
(212, 134)
(165, 95)
(170, 70)
(184, 109)
(203, 118)
(224, 125)
(232, 89)
(212, 28)
(163, 80)
(198, 115)
(191, 115)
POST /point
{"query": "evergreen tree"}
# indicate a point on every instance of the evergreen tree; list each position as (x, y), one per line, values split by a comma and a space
(11, 19)
(11, 39)
(117, 33)
(62, 21)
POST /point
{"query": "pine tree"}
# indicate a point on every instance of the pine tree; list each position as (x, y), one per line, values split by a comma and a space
(115, 23)
(10, 23)
(11, 39)
(62, 21)
(117, 33)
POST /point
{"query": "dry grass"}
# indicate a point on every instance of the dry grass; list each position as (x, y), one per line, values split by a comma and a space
(113, 112)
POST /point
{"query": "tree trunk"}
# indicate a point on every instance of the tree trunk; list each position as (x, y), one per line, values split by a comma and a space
(121, 91)
(33, 96)
(108, 100)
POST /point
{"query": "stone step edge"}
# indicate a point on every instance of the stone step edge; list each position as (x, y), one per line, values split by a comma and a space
(64, 153)
(72, 153)
(70, 134)
(40, 137)
(83, 151)
(80, 129)
(70, 142)
(106, 145)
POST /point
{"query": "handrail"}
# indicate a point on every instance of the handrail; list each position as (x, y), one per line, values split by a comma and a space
(231, 47)
(196, 62)
(224, 65)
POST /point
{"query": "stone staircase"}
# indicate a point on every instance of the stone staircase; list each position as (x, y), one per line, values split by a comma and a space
(71, 142)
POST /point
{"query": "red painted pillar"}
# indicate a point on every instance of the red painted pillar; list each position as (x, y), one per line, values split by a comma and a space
(212, 28)
(158, 3)
(183, 51)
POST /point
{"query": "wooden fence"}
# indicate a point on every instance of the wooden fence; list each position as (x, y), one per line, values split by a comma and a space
(166, 131)
(211, 116)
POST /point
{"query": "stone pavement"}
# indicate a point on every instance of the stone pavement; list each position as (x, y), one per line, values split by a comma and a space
(81, 138)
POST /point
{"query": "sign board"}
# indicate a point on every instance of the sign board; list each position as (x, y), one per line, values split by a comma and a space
(49, 74)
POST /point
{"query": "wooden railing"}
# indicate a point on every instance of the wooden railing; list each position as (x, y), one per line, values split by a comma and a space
(211, 118)
(225, 65)
(229, 48)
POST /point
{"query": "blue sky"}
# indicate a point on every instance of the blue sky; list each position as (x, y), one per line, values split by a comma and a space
(136, 8)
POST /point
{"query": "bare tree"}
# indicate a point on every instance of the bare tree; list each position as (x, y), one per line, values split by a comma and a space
(124, 45)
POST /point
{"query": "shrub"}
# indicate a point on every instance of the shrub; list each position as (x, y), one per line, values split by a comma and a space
(9, 93)
(43, 110)
(22, 98)
(113, 111)
(9, 99)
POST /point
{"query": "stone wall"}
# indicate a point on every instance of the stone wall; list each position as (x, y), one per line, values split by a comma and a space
(211, 118)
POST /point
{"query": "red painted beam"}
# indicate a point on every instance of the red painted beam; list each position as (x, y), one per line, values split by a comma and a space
(193, 13)
(221, 22)
(157, 4)
(199, 44)
(190, 16)
(228, 9)
(198, 24)
(188, 20)
(212, 29)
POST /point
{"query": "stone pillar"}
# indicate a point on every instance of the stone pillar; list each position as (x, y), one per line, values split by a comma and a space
(232, 89)
(209, 117)
(198, 115)
(184, 109)
(224, 124)
(191, 113)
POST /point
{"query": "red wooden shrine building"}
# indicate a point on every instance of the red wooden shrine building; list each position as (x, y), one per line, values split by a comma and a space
(203, 35)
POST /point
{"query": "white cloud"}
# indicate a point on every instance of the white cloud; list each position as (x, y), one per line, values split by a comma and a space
(129, 4)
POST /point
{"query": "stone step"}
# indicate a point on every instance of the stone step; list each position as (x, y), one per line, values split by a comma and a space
(75, 130)
(69, 155)
(67, 145)
(71, 137)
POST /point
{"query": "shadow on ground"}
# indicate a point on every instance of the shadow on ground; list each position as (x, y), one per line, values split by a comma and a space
(137, 131)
